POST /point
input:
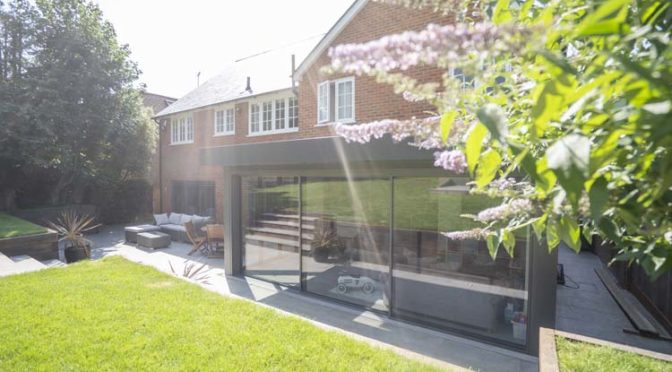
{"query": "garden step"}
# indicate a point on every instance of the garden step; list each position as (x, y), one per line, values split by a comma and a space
(286, 232)
(274, 223)
(54, 263)
(22, 264)
(291, 216)
(273, 240)
(6, 264)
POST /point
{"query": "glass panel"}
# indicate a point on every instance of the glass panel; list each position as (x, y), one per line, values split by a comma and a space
(450, 283)
(219, 121)
(346, 245)
(293, 113)
(279, 114)
(323, 102)
(345, 100)
(267, 116)
(254, 118)
(270, 216)
(229, 120)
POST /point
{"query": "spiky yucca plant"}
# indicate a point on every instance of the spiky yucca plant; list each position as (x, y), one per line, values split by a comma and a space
(191, 272)
(71, 227)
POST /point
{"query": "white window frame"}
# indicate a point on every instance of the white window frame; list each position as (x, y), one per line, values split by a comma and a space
(273, 99)
(225, 110)
(326, 84)
(292, 112)
(337, 102)
(182, 130)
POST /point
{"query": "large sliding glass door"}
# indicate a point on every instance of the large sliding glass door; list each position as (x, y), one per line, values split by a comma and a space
(454, 283)
(377, 243)
(347, 255)
(270, 228)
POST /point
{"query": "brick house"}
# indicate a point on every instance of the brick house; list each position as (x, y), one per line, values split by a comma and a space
(356, 224)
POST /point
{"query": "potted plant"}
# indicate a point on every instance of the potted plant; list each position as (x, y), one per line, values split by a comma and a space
(325, 245)
(71, 228)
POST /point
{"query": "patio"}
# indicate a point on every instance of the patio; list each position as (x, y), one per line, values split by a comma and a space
(431, 346)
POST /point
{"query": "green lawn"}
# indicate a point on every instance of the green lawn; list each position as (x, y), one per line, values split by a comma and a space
(580, 356)
(116, 315)
(11, 226)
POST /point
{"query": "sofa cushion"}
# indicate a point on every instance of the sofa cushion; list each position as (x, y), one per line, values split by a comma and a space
(161, 219)
(175, 218)
(173, 227)
(186, 218)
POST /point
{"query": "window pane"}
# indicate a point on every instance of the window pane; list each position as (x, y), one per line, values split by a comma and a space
(323, 102)
(347, 255)
(280, 114)
(270, 227)
(293, 113)
(267, 121)
(190, 129)
(344, 101)
(229, 120)
(254, 117)
(454, 283)
(219, 121)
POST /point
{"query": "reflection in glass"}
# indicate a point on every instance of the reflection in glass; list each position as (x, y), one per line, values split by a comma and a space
(449, 283)
(346, 252)
(270, 216)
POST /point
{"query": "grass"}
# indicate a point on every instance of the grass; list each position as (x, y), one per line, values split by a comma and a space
(581, 356)
(11, 227)
(417, 205)
(116, 315)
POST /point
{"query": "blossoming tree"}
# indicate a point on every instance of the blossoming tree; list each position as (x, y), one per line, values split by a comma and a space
(568, 117)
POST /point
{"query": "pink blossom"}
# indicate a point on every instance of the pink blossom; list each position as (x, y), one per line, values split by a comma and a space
(434, 45)
(453, 160)
(505, 211)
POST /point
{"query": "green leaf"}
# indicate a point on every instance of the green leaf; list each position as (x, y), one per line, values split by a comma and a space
(559, 61)
(569, 158)
(598, 196)
(493, 242)
(488, 167)
(552, 236)
(494, 118)
(547, 107)
(539, 225)
(570, 232)
(474, 145)
(447, 121)
(509, 241)
(501, 13)
(606, 19)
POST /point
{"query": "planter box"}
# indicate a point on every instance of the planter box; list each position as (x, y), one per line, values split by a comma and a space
(39, 246)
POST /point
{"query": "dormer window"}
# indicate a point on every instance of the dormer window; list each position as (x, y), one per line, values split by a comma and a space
(272, 114)
(225, 121)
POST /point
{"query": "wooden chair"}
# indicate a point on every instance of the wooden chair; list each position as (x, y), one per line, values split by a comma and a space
(198, 242)
(215, 237)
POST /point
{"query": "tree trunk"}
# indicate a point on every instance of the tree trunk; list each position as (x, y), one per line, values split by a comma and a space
(55, 196)
(8, 199)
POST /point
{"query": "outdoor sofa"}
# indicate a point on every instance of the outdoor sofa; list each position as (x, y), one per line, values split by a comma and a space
(173, 224)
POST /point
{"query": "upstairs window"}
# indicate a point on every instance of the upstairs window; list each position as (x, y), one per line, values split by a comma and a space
(225, 121)
(336, 101)
(182, 130)
(274, 114)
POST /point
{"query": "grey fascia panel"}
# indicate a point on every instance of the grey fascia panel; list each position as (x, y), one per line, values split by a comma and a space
(314, 151)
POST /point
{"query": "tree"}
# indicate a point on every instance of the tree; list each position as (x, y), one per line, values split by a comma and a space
(568, 117)
(77, 119)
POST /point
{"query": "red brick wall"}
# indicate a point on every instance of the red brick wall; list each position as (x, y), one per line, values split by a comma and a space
(373, 101)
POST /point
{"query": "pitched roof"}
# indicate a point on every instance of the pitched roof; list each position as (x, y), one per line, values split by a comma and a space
(156, 102)
(268, 71)
(329, 37)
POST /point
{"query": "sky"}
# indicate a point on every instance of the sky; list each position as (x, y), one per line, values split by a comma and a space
(173, 40)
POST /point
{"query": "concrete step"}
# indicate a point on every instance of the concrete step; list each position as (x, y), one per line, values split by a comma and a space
(267, 241)
(6, 264)
(281, 232)
(291, 217)
(276, 223)
(22, 264)
(54, 263)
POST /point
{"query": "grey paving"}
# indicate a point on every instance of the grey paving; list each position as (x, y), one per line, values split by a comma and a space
(19, 265)
(431, 346)
(590, 310)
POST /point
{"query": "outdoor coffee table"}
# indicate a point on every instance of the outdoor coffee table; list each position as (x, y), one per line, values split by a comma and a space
(132, 232)
(154, 239)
